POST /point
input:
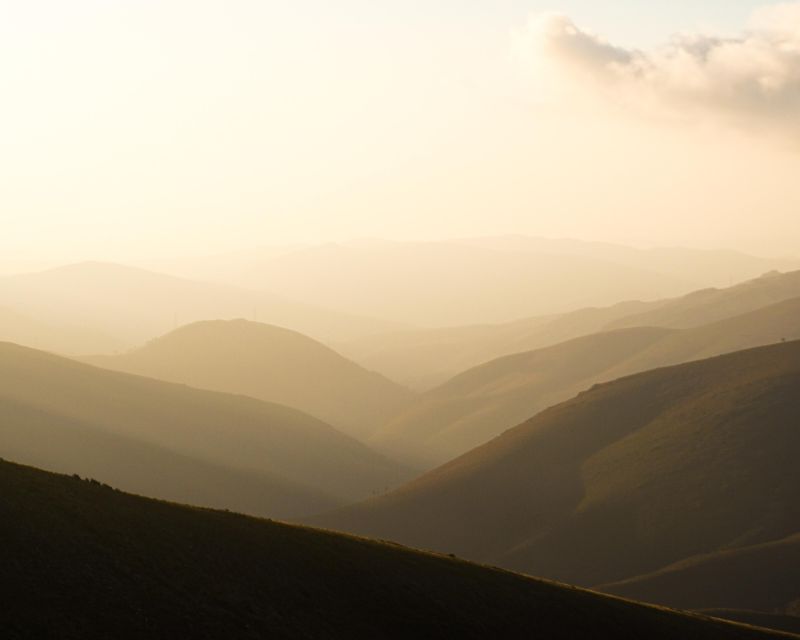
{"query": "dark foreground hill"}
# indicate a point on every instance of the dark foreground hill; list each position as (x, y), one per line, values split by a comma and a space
(272, 364)
(83, 561)
(481, 403)
(176, 442)
(623, 480)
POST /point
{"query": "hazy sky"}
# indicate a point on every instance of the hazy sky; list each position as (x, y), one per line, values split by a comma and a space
(144, 127)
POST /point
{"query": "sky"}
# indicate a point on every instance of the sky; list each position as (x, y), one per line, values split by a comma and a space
(142, 128)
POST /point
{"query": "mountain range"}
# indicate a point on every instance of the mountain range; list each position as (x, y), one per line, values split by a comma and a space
(624, 480)
(131, 305)
(481, 403)
(177, 442)
(272, 364)
(85, 561)
(424, 359)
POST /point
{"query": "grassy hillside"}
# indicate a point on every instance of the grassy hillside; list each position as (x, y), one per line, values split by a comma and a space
(84, 561)
(272, 364)
(45, 399)
(426, 358)
(622, 480)
(133, 305)
(481, 403)
(765, 577)
(713, 305)
(406, 356)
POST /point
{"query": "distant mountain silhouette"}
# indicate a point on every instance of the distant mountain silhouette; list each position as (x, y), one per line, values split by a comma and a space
(21, 329)
(712, 305)
(476, 280)
(433, 284)
(707, 267)
(765, 577)
(621, 481)
(151, 436)
(133, 305)
(424, 359)
(84, 561)
(481, 403)
(272, 364)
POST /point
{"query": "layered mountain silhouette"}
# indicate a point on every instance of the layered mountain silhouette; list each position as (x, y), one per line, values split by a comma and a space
(621, 481)
(21, 329)
(483, 402)
(708, 267)
(433, 284)
(133, 305)
(177, 442)
(473, 280)
(424, 359)
(102, 564)
(272, 364)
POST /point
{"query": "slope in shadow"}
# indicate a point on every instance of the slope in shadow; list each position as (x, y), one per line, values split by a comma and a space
(81, 560)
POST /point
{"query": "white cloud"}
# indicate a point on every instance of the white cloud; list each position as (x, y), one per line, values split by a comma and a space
(753, 79)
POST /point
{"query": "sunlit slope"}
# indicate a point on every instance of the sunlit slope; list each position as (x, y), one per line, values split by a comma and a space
(480, 404)
(483, 402)
(133, 305)
(272, 364)
(713, 305)
(764, 577)
(81, 560)
(424, 359)
(620, 481)
(234, 432)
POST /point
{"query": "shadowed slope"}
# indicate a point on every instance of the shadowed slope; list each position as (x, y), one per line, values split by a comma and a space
(622, 480)
(272, 364)
(764, 577)
(481, 403)
(81, 560)
(233, 432)
(777, 621)
(51, 441)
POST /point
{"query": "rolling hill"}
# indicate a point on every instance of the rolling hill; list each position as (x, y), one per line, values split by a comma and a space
(133, 305)
(483, 402)
(272, 364)
(424, 359)
(713, 305)
(83, 560)
(764, 577)
(621, 481)
(176, 441)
